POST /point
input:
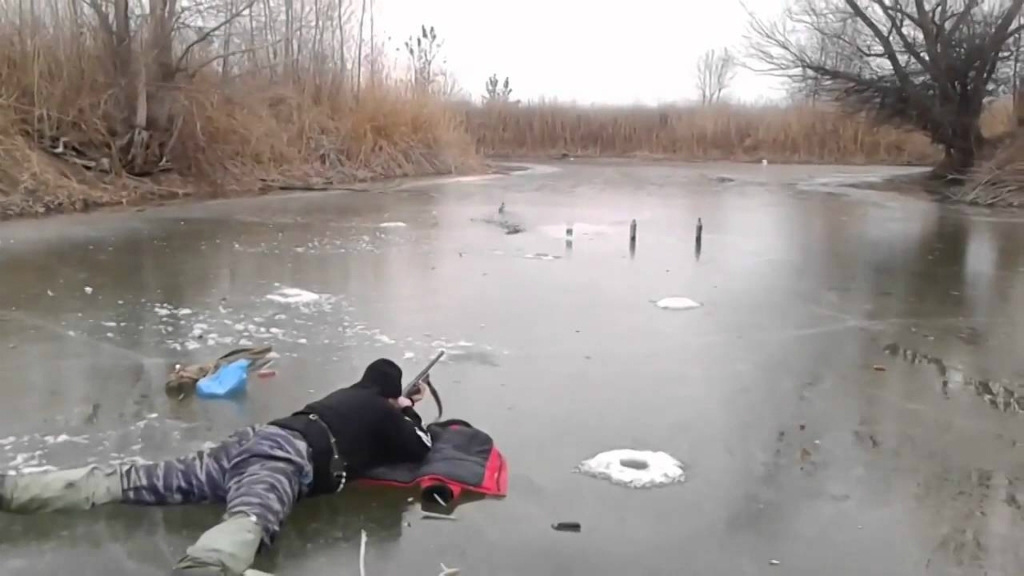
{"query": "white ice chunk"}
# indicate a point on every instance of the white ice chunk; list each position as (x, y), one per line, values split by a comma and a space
(58, 439)
(293, 296)
(634, 468)
(88, 289)
(677, 303)
(392, 224)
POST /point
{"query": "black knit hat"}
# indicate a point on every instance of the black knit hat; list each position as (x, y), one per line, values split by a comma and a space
(384, 377)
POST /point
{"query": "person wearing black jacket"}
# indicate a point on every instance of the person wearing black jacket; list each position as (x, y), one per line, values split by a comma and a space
(259, 472)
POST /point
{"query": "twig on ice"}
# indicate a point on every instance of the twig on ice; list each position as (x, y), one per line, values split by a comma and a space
(362, 555)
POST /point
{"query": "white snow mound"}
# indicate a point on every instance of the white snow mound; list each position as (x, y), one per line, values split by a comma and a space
(634, 468)
(677, 303)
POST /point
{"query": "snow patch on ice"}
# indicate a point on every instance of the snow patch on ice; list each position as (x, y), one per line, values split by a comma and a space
(392, 224)
(634, 468)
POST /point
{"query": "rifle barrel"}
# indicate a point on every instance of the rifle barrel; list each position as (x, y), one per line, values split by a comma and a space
(423, 373)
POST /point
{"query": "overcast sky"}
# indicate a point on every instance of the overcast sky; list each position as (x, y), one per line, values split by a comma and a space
(640, 51)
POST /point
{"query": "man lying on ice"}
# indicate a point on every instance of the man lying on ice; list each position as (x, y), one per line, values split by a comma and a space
(367, 430)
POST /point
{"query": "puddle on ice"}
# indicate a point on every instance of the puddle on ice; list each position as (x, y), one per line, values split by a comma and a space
(578, 229)
(677, 303)
(463, 352)
(634, 468)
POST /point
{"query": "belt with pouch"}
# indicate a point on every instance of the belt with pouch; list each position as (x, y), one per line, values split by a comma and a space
(337, 464)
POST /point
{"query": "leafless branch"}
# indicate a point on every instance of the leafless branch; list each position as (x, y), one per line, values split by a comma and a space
(198, 67)
(179, 64)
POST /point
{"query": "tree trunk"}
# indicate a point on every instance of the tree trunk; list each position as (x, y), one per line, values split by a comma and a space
(373, 51)
(341, 44)
(122, 41)
(1018, 108)
(289, 39)
(962, 149)
(359, 53)
(225, 63)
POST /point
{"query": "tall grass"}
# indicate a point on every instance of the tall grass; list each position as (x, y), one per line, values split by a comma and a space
(220, 130)
(797, 133)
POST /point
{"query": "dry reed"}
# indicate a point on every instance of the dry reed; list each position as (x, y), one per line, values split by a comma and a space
(59, 111)
(798, 133)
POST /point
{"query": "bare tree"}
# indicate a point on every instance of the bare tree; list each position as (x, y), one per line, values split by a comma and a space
(927, 64)
(715, 71)
(497, 92)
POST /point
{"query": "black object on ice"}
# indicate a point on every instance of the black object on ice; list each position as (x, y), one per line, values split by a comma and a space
(567, 526)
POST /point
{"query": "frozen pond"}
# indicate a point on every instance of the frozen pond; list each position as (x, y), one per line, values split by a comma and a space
(844, 397)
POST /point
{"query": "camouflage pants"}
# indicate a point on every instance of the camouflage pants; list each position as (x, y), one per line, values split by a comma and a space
(259, 471)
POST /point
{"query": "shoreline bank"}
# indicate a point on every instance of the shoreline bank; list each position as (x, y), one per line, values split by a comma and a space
(146, 195)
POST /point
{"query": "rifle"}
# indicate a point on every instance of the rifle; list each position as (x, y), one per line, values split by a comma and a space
(424, 377)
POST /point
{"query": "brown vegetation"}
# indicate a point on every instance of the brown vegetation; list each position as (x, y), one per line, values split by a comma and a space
(1000, 180)
(113, 102)
(118, 102)
(797, 133)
